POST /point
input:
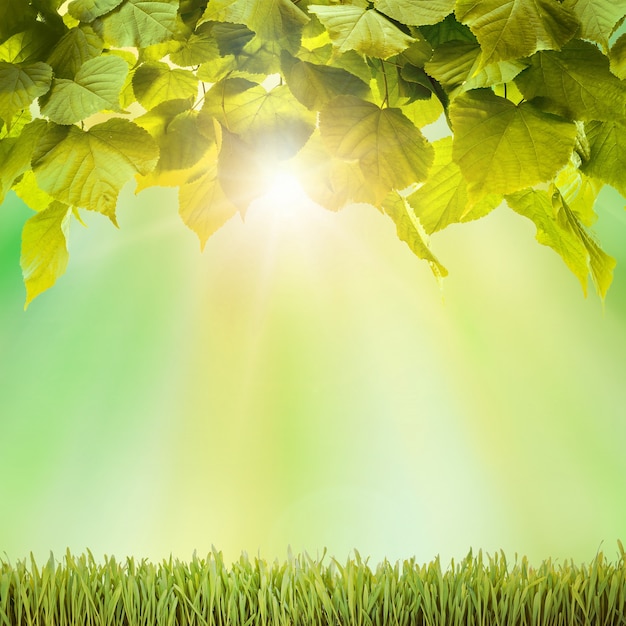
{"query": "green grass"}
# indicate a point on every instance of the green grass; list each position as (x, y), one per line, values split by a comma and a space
(303, 591)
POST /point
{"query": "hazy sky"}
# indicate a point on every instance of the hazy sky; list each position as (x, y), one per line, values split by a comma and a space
(305, 382)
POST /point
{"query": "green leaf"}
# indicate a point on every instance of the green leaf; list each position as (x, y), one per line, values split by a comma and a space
(181, 144)
(154, 83)
(329, 181)
(501, 147)
(443, 200)
(28, 191)
(314, 85)
(139, 23)
(391, 151)
(87, 169)
(448, 30)
(95, 87)
(74, 49)
(88, 10)
(44, 249)
(597, 18)
(16, 153)
(618, 57)
(277, 22)
(273, 122)
(607, 145)
(579, 191)
(415, 12)
(411, 232)
(203, 205)
(15, 16)
(20, 84)
(456, 64)
(513, 29)
(559, 228)
(200, 47)
(242, 173)
(575, 82)
(28, 46)
(364, 30)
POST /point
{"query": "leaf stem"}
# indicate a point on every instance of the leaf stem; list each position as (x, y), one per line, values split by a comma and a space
(385, 102)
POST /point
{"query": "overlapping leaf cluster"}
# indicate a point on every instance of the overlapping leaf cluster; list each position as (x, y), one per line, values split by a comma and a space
(212, 96)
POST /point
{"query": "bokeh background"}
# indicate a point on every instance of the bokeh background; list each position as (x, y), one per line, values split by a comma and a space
(306, 382)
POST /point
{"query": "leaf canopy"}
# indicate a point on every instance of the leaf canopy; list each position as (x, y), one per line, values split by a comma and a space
(211, 96)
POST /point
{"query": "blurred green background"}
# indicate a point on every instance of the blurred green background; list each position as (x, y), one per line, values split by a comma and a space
(305, 382)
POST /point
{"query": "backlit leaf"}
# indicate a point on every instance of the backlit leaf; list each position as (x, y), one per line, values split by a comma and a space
(241, 172)
(273, 122)
(364, 30)
(331, 182)
(513, 29)
(16, 154)
(575, 82)
(415, 12)
(96, 86)
(20, 84)
(597, 18)
(44, 249)
(607, 145)
(73, 50)
(501, 147)
(88, 10)
(314, 85)
(87, 169)
(138, 23)
(274, 21)
(154, 83)
(618, 57)
(391, 151)
(559, 228)
(443, 200)
(203, 206)
(411, 232)
(28, 46)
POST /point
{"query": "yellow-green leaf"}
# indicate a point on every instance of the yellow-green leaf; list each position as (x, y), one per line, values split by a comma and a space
(28, 46)
(364, 30)
(415, 12)
(314, 85)
(597, 18)
(559, 228)
(139, 23)
(203, 205)
(88, 10)
(274, 21)
(79, 45)
(607, 146)
(44, 249)
(96, 87)
(273, 122)
(154, 83)
(443, 198)
(618, 57)
(20, 84)
(411, 232)
(513, 29)
(575, 82)
(241, 172)
(89, 168)
(501, 147)
(391, 151)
